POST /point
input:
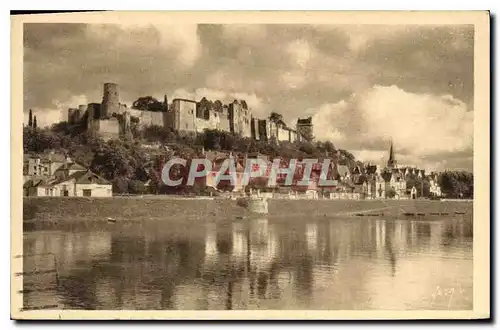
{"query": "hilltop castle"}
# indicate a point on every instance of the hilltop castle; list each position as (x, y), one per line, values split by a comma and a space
(112, 119)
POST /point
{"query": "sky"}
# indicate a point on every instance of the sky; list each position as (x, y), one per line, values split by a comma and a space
(363, 85)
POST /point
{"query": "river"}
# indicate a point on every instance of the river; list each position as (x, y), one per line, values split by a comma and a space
(262, 263)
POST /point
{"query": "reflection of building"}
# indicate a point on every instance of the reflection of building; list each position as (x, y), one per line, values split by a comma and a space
(211, 243)
(312, 236)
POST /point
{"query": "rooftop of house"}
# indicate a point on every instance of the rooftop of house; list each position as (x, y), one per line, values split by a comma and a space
(46, 157)
(342, 170)
(72, 167)
(84, 177)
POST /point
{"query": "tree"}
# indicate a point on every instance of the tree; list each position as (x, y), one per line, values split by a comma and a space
(148, 103)
(34, 123)
(136, 187)
(30, 119)
(120, 185)
(307, 135)
(276, 118)
(457, 184)
(391, 193)
(212, 139)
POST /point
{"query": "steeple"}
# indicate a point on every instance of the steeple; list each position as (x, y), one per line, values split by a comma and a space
(391, 163)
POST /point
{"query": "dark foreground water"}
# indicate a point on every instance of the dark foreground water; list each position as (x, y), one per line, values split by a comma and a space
(254, 264)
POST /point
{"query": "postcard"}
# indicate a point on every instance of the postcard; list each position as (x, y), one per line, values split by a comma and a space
(250, 165)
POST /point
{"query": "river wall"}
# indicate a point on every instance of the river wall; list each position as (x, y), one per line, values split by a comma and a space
(75, 209)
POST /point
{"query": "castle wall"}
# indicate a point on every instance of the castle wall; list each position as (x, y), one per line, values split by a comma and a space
(94, 110)
(283, 134)
(109, 128)
(224, 122)
(184, 114)
(211, 123)
(272, 130)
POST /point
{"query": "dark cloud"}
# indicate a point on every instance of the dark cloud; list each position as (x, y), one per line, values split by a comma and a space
(426, 60)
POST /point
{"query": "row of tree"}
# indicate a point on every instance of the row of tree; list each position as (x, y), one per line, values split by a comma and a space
(457, 184)
(32, 120)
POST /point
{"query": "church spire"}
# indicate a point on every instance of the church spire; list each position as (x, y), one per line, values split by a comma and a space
(391, 163)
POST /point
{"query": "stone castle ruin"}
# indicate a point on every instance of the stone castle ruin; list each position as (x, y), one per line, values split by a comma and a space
(112, 119)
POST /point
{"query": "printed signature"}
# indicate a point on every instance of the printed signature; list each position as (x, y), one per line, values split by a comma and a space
(446, 293)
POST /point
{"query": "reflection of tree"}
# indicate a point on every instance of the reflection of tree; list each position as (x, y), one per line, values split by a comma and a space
(304, 278)
(389, 234)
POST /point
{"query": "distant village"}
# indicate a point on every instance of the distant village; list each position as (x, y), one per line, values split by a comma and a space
(54, 174)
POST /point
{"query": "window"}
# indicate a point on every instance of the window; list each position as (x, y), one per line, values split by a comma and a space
(186, 125)
(87, 192)
(46, 191)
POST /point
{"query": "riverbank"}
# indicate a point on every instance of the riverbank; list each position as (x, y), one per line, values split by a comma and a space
(130, 209)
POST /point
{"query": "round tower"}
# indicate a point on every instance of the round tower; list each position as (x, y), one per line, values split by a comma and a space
(110, 100)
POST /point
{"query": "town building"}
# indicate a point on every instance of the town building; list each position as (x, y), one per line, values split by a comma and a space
(434, 189)
(53, 174)
(400, 182)
(44, 164)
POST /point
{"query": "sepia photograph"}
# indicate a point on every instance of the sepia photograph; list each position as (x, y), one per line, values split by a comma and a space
(244, 165)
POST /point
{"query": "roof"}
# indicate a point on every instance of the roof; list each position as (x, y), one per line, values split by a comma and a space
(54, 157)
(36, 183)
(371, 169)
(343, 170)
(84, 177)
(185, 100)
(73, 167)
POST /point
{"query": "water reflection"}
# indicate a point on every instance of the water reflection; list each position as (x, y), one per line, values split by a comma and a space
(263, 264)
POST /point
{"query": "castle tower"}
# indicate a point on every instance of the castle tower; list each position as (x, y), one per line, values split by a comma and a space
(391, 163)
(110, 100)
(305, 128)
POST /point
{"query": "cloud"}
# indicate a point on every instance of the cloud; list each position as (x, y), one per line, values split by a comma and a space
(181, 40)
(244, 33)
(420, 125)
(300, 52)
(294, 80)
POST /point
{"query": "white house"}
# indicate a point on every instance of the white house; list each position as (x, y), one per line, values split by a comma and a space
(79, 184)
